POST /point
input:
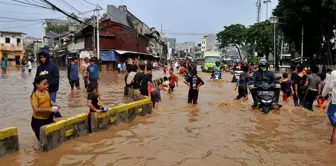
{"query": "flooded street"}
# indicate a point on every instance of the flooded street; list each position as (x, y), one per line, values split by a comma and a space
(217, 131)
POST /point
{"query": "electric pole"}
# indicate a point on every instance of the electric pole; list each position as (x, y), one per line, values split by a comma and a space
(97, 35)
(258, 4)
(266, 2)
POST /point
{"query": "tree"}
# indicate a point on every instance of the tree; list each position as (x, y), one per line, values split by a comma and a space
(234, 34)
(317, 17)
(260, 36)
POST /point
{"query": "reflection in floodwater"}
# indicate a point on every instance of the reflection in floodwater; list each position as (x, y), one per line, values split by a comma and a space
(217, 131)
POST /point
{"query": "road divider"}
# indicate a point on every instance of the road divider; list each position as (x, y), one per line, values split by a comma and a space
(9, 141)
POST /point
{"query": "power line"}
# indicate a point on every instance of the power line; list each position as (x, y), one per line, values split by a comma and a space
(89, 3)
(70, 6)
(14, 4)
(36, 22)
(13, 27)
(18, 19)
(59, 10)
(26, 3)
(80, 2)
(12, 12)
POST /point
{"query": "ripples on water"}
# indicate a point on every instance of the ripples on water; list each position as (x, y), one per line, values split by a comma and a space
(217, 131)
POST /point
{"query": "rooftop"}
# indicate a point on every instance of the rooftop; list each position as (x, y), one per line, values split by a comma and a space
(12, 32)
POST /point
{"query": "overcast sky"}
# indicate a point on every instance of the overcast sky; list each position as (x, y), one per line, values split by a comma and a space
(182, 19)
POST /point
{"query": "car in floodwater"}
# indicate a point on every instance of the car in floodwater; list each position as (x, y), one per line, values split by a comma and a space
(209, 62)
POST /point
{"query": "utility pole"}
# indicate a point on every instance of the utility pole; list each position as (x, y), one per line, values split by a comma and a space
(266, 2)
(258, 4)
(302, 42)
(97, 35)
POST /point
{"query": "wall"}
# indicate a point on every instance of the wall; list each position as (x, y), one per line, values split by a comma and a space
(116, 36)
(13, 38)
(76, 44)
(9, 141)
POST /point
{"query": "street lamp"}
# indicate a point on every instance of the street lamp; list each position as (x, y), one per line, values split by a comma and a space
(274, 21)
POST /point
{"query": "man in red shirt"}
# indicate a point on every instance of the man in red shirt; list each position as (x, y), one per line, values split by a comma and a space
(172, 81)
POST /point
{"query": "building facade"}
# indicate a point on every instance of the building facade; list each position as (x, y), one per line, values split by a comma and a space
(11, 45)
(171, 43)
(185, 46)
(209, 42)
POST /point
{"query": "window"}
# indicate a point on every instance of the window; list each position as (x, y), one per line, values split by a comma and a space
(7, 40)
(18, 41)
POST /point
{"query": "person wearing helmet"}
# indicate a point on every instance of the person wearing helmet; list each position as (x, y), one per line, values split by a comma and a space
(263, 75)
(216, 68)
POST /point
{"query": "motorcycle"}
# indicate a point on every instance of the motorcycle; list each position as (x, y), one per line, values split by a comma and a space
(266, 96)
(216, 75)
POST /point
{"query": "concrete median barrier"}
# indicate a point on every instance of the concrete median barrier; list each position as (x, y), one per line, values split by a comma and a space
(9, 141)
(55, 134)
(123, 113)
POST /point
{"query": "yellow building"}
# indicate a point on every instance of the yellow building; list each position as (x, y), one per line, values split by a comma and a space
(12, 44)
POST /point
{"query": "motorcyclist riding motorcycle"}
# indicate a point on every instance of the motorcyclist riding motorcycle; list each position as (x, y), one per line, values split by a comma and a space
(263, 75)
(217, 67)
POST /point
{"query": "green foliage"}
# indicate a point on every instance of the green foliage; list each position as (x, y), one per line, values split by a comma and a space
(253, 60)
(57, 28)
(316, 16)
(260, 37)
(5, 54)
(234, 34)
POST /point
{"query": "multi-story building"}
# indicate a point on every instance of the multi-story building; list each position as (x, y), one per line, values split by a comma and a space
(171, 42)
(11, 45)
(209, 42)
(185, 46)
(53, 28)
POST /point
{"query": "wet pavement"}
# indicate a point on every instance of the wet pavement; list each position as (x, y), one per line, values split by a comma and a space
(217, 131)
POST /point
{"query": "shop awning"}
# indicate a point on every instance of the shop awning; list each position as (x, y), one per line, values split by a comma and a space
(129, 52)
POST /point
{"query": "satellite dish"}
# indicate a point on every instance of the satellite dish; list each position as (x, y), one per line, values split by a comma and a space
(71, 20)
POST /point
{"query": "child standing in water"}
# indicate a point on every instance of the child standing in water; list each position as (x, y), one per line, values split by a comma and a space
(194, 83)
(93, 102)
(41, 104)
(321, 99)
(156, 97)
(172, 81)
(285, 87)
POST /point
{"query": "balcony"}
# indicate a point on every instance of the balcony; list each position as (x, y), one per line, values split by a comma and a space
(10, 47)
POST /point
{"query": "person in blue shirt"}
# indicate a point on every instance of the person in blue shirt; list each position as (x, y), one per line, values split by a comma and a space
(4, 65)
(93, 72)
(73, 73)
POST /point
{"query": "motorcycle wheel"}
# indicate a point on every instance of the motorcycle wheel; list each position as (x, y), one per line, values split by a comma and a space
(266, 109)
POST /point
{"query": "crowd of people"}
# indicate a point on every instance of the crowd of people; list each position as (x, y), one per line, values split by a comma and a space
(304, 86)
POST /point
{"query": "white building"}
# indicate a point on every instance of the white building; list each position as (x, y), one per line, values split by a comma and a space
(11, 44)
(209, 42)
(185, 46)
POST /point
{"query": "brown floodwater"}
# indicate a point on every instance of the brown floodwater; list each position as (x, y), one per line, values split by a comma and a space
(217, 131)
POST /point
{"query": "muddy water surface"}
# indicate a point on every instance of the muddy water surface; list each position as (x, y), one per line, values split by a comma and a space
(217, 131)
